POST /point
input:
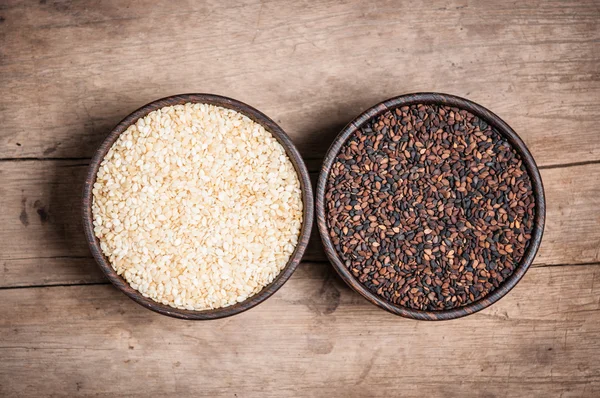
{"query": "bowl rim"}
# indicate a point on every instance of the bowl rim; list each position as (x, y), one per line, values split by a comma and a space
(256, 116)
(505, 130)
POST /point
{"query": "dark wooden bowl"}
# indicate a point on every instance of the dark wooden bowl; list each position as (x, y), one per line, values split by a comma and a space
(255, 115)
(502, 128)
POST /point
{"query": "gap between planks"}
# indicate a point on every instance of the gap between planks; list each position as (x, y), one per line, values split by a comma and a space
(37, 286)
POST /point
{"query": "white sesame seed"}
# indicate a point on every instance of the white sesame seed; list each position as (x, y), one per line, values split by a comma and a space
(197, 206)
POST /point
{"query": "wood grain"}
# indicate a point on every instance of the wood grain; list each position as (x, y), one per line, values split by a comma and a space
(42, 231)
(70, 70)
(312, 67)
(540, 340)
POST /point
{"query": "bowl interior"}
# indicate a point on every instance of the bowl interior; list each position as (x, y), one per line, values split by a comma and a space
(255, 115)
(504, 130)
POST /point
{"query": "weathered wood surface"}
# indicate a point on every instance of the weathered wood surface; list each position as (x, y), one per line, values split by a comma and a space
(315, 337)
(312, 66)
(70, 70)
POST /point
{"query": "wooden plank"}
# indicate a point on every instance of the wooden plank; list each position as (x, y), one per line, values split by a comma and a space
(42, 242)
(42, 238)
(69, 71)
(313, 338)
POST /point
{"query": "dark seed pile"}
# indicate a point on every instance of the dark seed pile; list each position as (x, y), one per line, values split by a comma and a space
(429, 207)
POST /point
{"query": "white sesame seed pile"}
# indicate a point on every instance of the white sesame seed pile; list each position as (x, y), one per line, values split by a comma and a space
(197, 206)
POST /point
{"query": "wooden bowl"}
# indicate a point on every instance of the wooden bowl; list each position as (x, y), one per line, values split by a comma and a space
(255, 115)
(502, 128)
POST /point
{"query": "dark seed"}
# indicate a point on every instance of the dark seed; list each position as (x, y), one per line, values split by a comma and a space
(429, 207)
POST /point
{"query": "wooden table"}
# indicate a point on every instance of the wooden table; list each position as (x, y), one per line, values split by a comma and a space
(70, 70)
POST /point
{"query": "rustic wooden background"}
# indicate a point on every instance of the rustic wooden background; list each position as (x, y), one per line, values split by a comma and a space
(70, 70)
